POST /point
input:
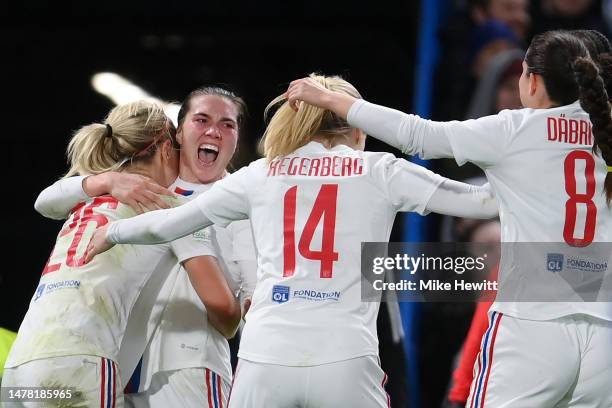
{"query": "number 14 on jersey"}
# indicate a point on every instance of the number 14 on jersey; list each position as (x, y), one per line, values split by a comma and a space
(323, 211)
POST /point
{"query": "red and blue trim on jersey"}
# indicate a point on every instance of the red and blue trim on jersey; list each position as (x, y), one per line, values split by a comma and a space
(215, 393)
(183, 192)
(108, 383)
(485, 361)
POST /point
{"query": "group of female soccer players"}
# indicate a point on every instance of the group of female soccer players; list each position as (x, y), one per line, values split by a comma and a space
(309, 340)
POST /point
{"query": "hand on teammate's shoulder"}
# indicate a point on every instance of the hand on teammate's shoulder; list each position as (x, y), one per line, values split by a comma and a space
(139, 192)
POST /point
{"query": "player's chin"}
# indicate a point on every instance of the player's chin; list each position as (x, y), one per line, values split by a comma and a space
(209, 174)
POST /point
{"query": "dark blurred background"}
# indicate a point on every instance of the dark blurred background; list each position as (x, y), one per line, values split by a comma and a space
(51, 50)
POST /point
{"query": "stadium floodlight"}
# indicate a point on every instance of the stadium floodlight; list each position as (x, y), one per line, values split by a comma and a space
(121, 90)
(172, 110)
(118, 89)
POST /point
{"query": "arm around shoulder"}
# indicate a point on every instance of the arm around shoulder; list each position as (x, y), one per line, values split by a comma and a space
(463, 200)
(58, 199)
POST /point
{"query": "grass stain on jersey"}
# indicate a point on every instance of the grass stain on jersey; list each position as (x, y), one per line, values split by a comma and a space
(101, 308)
(77, 398)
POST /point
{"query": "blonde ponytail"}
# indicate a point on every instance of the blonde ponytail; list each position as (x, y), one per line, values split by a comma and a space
(289, 130)
(130, 132)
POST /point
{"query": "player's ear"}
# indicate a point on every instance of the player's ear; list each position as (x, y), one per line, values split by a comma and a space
(358, 137)
(167, 150)
(179, 135)
(535, 81)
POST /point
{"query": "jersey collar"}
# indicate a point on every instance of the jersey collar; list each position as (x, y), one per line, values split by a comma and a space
(186, 188)
(316, 147)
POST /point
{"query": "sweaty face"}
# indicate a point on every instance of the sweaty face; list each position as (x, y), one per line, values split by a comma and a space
(208, 137)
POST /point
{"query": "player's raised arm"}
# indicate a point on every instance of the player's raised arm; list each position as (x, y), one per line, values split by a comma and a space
(59, 198)
(139, 192)
(154, 227)
(224, 203)
(410, 187)
(480, 141)
(463, 200)
(313, 93)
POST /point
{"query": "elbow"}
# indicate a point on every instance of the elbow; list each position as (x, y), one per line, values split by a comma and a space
(494, 212)
(485, 212)
(39, 207)
(232, 317)
(230, 332)
(156, 235)
(492, 207)
(42, 207)
(226, 318)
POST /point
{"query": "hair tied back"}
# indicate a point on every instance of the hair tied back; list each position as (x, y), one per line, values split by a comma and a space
(109, 130)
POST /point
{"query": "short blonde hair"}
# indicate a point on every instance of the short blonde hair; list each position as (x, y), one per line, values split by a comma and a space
(289, 130)
(130, 132)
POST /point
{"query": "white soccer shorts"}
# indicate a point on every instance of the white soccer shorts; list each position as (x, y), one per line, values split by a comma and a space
(188, 387)
(565, 362)
(94, 381)
(355, 383)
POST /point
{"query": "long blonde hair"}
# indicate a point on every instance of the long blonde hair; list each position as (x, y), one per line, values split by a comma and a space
(130, 132)
(289, 130)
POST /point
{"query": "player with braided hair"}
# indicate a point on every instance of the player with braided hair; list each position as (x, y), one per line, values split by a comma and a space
(600, 51)
(594, 100)
(550, 171)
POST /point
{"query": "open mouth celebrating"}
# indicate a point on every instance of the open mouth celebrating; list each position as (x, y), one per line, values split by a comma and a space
(207, 154)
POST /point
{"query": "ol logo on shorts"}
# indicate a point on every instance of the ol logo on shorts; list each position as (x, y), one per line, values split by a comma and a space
(280, 294)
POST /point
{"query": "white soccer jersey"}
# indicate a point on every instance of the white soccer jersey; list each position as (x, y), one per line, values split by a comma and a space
(548, 183)
(83, 308)
(310, 212)
(181, 336)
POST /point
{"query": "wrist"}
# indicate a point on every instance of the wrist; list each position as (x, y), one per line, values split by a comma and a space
(339, 103)
(331, 100)
(108, 234)
(98, 184)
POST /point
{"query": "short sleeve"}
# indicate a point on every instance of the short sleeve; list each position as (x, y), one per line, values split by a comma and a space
(408, 186)
(227, 200)
(482, 141)
(200, 243)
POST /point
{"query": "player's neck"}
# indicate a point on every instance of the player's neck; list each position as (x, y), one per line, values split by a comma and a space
(541, 100)
(139, 169)
(185, 174)
(147, 171)
(331, 142)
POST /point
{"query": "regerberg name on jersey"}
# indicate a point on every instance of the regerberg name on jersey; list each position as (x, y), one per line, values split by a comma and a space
(310, 212)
